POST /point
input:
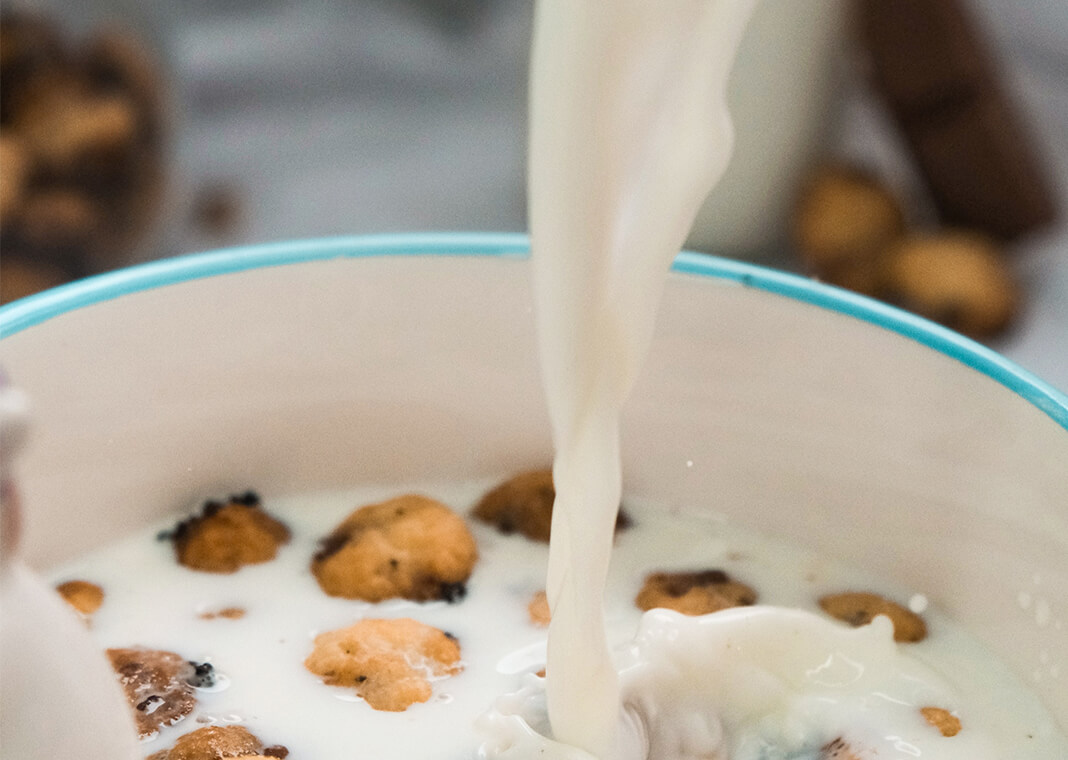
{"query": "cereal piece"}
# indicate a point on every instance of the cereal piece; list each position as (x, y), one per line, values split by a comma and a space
(943, 720)
(83, 596)
(390, 663)
(410, 546)
(156, 686)
(524, 504)
(229, 613)
(859, 608)
(217, 743)
(955, 278)
(694, 593)
(843, 221)
(538, 609)
(838, 750)
(225, 537)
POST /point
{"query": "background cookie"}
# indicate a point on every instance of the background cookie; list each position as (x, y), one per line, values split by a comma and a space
(859, 608)
(694, 593)
(228, 536)
(217, 743)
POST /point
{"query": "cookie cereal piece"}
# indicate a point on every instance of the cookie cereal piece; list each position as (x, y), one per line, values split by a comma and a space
(83, 596)
(859, 608)
(156, 686)
(958, 279)
(524, 504)
(843, 221)
(694, 593)
(217, 743)
(390, 663)
(410, 546)
(943, 720)
(226, 537)
(538, 609)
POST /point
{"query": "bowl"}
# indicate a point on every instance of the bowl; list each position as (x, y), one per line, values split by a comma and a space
(793, 408)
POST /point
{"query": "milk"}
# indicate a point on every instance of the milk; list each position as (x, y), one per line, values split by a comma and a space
(629, 131)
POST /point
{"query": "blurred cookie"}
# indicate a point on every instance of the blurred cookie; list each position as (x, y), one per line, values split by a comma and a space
(694, 593)
(943, 720)
(538, 610)
(389, 663)
(410, 546)
(218, 743)
(227, 536)
(859, 608)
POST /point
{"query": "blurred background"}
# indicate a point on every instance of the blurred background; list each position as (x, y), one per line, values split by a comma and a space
(916, 152)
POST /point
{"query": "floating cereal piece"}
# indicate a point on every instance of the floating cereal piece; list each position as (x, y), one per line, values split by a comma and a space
(229, 613)
(524, 504)
(390, 663)
(218, 743)
(943, 720)
(83, 596)
(225, 537)
(538, 609)
(860, 608)
(156, 686)
(410, 546)
(694, 593)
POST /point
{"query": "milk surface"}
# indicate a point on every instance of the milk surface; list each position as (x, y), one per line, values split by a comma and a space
(766, 702)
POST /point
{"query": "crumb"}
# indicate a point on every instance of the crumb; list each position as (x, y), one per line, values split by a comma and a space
(225, 537)
(388, 662)
(838, 750)
(218, 743)
(524, 504)
(538, 609)
(860, 608)
(83, 596)
(694, 593)
(156, 686)
(410, 546)
(943, 720)
(229, 613)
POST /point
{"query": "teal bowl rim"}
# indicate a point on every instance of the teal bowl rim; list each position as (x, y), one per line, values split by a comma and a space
(32, 310)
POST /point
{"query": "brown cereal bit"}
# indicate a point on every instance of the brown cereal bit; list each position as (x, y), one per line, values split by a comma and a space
(859, 608)
(524, 504)
(694, 593)
(410, 546)
(229, 613)
(843, 221)
(538, 609)
(156, 686)
(83, 596)
(217, 743)
(388, 662)
(943, 720)
(958, 279)
(225, 537)
(839, 750)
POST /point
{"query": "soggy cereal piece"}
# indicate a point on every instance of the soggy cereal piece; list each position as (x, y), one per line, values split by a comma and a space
(217, 743)
(538, 609)
(859, 608)
(227, 536)
(524, 504)
(83, 596)
(839, 750)
(390, 663)
(943, 720)
(410, 546)
(156, 686)
(694, 593)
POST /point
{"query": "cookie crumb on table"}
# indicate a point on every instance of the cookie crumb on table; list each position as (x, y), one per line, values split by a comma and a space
(943, 720)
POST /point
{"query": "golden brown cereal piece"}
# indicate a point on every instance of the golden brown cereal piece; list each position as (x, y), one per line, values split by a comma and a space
(843, 221)
(839, 750)
(410, 546)
(225, 537)
(955, 278)
(694, 593)
(859, 608)
(389, 662)
(538, 609)
(943, 720)
(156, 685)
(83, 596)
(213, 743)
(524, 504)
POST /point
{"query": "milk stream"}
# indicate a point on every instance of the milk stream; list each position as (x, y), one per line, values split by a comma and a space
(629, 131)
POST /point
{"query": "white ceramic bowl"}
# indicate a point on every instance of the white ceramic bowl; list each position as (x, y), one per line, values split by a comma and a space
(794, 408)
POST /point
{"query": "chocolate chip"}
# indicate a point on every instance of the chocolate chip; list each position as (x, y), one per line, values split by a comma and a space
(453, 592)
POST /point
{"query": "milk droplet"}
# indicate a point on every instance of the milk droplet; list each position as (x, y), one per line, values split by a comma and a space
(918, 603)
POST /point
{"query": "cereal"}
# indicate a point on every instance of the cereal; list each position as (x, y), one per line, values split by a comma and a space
(156, 686)
(389, 662)
(83, 596)
(538, 609)
(410, 546)
(524, 504)
(217, 743)
(225, 537)
(860, 608)
(694, 593)
(943, 720)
